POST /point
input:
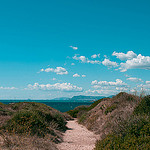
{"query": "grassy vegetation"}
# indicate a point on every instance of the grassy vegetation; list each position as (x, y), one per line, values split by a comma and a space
(133, 133)
(1, 104)
(110, 109)
(5, 112)
(82, 118)
(35, 118)
(28, 120)
(144, 106)
(75, 111)
(79, 109)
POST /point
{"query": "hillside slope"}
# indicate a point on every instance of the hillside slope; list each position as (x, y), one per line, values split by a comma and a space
(102, 118)
(30, 125)
(132, 133)
(122, 122)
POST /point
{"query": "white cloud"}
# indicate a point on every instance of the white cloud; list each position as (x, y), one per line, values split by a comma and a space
(74, 47)
(123, 56)
(42, 70)
(147, 86)
(122, 89)
(58, 70)
(147, 82)
(109, 63)
(102, 92)
(126, 75)
(141, 62)
(134, 79)
(108, 88)
(133, 90)
(66, 87)
(8, 88)
(49, 70)
(72, 64)
(118, 83)
(83, 76)
(76, 75)
(83, 59)
(95, 56)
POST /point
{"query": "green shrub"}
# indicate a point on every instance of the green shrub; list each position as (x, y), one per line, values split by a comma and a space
(75, 111)
(5, 112)
(27, 122)
(59, 119)
(133, 133)
(144, 106)
(82, 118)
(94, 104)
(110, 109)
(36, 123)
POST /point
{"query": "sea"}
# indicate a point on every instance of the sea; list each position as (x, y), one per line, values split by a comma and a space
(61, 105)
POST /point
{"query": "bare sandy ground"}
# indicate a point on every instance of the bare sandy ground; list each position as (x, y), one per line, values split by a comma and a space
(77, 138)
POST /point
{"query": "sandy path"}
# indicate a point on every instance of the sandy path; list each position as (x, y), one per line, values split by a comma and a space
(77, 138)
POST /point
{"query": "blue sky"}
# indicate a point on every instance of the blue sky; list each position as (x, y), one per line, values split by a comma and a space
(64, 48)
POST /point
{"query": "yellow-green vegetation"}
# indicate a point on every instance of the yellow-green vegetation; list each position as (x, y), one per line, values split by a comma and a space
(110, 109)
(132, 133)
(30, 119)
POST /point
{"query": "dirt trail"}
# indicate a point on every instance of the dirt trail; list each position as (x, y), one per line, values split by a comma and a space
(77, 138)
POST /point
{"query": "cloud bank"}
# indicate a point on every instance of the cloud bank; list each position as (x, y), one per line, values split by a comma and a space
(65, 87)
(140, 62)
(134, 79)
(118, 83)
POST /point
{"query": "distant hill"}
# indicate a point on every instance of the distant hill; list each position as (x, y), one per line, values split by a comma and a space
(82, 97)
(61, 98)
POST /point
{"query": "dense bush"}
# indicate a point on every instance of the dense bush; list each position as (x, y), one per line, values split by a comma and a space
(27, 122)
(35, 119)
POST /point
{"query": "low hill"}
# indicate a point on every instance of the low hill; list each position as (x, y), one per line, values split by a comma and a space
(122, 122)
(101, 119)
(30, 125)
